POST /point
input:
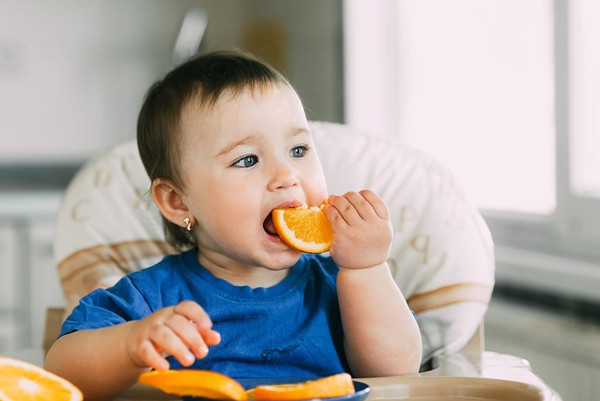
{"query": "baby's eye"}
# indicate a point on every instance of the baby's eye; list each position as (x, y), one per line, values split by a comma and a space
(299, 151)
(246, 161)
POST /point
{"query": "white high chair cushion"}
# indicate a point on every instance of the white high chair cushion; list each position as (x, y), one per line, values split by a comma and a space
(442, 254)
(107, 225)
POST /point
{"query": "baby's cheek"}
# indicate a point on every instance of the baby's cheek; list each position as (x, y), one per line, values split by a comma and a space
(317, 197)
(317, 187)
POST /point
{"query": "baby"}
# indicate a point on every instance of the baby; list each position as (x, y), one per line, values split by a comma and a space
(225, 140)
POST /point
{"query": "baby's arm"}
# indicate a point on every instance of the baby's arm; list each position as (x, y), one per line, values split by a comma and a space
(105, 362)
(381, 336)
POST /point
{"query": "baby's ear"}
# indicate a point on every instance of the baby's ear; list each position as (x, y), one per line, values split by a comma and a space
(169, 200)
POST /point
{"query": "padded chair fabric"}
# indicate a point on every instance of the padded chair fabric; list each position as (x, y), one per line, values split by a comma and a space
(442, 255)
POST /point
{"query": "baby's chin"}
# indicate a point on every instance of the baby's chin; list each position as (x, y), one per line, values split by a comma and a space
(283, 261)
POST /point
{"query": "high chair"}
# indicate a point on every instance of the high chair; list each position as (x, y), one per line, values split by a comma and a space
(442, 255)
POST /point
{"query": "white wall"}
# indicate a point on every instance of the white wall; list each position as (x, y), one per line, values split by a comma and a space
(74, 73)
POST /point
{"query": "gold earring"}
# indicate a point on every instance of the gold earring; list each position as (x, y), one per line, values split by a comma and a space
(188, 223)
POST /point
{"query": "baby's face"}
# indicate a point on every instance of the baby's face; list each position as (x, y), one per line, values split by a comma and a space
(244, 157)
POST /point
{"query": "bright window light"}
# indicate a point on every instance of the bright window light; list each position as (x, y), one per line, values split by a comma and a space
(470, 82)
(476, 90)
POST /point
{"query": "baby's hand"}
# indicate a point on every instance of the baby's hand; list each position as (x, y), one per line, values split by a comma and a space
(184, 331)
(362, 231)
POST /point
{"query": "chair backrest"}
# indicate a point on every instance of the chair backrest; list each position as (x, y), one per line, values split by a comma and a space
(442, 255)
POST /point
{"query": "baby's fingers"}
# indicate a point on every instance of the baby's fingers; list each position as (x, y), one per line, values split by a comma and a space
(376, 203)
(166, 340)
(195, 314)
(340, 210)
(188, 333)
(152, 357)
(357, 207)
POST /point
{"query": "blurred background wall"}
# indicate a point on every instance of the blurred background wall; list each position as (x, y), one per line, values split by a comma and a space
(73, 74)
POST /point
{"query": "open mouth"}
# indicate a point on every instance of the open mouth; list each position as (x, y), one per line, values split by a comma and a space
(269, 226)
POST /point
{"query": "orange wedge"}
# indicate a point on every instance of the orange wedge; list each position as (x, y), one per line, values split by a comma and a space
(196, 383)
(23, 381)
(304, 228)
(327, 387)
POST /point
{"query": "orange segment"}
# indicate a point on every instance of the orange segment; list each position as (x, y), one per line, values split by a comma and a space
(304, 228)
(23, 381)
(327, 387)
(197, 383)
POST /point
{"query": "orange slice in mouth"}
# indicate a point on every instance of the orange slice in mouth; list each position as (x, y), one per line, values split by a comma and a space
(304, 228)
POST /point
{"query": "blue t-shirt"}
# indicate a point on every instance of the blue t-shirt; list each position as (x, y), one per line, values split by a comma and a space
(292, 329)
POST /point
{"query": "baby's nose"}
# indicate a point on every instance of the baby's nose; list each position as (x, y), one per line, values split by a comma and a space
(283, 176)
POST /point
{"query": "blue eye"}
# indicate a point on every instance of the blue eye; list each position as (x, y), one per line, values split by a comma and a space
(246, 161)
(299, 151)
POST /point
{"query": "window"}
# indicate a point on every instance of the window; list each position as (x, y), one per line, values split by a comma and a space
(505, 93)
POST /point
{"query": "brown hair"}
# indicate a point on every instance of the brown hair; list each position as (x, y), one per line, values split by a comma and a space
(202, 79)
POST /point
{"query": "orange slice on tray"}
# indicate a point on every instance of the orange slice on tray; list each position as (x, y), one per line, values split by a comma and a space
(304, 228)
(23, 381)
(327, 387)
(196, 383)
